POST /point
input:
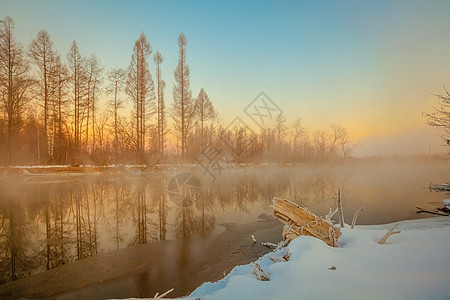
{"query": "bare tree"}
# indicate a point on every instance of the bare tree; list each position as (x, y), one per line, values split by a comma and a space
(339, 138)
(14, 82)
(204, 112)
(320, 141)
(102, 136)
(116, 81)
(58, 82)
(440, 117)
(343, 142)
(280, 129)
(41, 53)
(299, 140)
(158, 59)
(94, 72)
(140, 89)
(183, 108)
(163, 129)
(75, 68)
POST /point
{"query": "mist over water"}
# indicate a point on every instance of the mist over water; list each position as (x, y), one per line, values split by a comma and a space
(51, 220)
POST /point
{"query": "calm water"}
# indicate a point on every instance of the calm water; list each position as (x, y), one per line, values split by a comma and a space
(50, 220)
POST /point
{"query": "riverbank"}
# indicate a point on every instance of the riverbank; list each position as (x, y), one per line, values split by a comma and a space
(414, 264)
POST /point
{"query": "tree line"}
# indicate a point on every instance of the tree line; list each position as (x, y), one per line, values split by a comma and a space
(51, 113)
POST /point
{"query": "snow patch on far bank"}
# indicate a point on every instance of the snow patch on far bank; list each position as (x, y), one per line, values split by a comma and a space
(414, 264)
(446, 203)
(40, 167)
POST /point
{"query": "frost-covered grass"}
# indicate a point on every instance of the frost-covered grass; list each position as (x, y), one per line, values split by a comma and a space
(414, 264)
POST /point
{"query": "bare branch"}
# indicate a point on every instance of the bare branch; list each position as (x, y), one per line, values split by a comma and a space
(356, 216)
(389, 233)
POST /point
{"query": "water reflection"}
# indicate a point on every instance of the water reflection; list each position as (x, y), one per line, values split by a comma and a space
(49, 221)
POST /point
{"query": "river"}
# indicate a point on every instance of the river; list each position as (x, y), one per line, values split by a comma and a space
(137, 232)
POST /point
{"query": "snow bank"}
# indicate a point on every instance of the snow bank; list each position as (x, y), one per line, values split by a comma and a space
(414, 264)
(447, 203)
(40, 166)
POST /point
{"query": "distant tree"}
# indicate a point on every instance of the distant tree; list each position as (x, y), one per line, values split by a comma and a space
(102, 138)
(299, 137)
(440, 117)
(42, 55)
(268, 140)
(140, 89)
(242, 138)
(14, 82)
(343, 142)
(183, 109)
(76, 72)
(116, 81)
(320, 142)
(204, 112)
(338, 139)
(58, 83)
(158, 59)
(280, 129)
(94, 72)
(164, 129)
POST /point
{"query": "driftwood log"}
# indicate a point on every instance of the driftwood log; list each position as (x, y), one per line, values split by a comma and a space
(300, 221)
(439, 186)
(421, 210)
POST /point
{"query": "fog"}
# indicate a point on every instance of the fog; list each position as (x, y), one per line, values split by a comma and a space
(414, 141)
(53, 219)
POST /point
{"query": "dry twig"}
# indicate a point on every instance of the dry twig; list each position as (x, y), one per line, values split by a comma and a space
(356, 217)
(258, 271)
(389, 233)
(162, 295)
(275, 258)
(341, 211)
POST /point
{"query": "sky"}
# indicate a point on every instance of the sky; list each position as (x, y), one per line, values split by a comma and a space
(370, 66)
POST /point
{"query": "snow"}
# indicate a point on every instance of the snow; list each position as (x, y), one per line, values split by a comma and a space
(447, 203)
(40, 166)
(414, 264)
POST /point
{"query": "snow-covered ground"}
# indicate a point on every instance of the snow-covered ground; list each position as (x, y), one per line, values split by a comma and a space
(414, 264)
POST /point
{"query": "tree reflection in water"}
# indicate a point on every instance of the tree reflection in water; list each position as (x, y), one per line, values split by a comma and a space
(48, 221)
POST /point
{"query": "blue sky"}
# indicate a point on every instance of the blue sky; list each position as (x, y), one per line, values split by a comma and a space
(371, 66)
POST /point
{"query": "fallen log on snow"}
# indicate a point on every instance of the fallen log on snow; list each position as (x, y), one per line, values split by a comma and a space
(300, 221)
